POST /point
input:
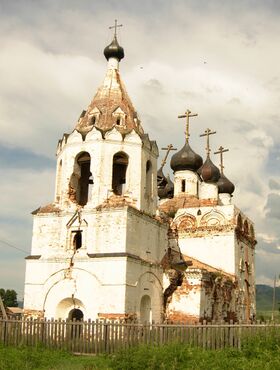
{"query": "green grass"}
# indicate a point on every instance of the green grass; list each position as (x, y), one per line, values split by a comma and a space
(257, 354)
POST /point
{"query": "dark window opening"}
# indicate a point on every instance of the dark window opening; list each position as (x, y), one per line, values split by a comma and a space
(120, 163)
(84, 180)
(148, 178)
(93, 120)
(183, 188)
(118, 122)
(77, 240)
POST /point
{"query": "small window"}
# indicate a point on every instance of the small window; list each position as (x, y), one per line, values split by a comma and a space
(77, 240)
(118, 122)
(93, 120)
(183, 188)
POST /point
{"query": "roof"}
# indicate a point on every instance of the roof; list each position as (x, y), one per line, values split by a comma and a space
(110, 96)
(196, 264)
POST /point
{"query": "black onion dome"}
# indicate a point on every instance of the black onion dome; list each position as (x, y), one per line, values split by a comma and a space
(209, 172)
(186, 159)
(224, 185)
(169, 188)
(114, 50)
(161, 184)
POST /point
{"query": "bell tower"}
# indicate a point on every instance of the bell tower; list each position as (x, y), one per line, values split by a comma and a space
(97, 248)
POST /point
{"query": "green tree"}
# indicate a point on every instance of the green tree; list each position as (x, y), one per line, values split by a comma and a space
(9, 297)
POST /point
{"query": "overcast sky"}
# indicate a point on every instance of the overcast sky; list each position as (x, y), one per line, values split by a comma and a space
(220, 59)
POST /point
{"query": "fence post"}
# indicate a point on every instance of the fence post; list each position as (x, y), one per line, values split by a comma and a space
(105, 336)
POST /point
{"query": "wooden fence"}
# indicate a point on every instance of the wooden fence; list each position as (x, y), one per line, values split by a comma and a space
(109, 336)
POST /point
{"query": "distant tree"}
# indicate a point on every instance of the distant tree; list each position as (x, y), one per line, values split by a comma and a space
(9, 297)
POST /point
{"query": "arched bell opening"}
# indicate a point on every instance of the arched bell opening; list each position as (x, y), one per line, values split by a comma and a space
(120, 163)
(81, 179)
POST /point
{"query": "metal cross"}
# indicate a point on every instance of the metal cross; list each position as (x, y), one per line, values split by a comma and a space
(115, 27)
(207, 133)
(220, 151)
(187, 115)
(168, 149)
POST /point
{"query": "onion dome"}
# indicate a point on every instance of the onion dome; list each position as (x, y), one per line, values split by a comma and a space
(114, 50)
(209, 172)
(224, 185)
(169, 188)
(186, 159)
(161, 184)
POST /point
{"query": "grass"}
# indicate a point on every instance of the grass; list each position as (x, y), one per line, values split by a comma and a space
(256, 354)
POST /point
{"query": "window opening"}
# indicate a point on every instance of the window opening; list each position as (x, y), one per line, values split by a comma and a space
(149, 178)
(84, 180)
(183, 188)
(77, 240)
(118, 122)
(120, 163)
(93, 120)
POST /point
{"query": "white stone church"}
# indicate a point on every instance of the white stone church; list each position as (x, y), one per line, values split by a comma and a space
(120, 241)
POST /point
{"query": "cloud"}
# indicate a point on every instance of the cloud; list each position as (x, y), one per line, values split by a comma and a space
(273, 206)
(273, 184)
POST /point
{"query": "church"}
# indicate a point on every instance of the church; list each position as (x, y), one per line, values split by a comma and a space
(121, 241)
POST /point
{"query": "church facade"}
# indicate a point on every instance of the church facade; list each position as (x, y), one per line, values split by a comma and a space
(121, 241)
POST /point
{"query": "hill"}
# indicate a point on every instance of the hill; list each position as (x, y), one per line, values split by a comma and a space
(264, 295)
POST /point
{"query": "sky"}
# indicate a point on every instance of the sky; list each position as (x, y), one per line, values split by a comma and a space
(219, 59)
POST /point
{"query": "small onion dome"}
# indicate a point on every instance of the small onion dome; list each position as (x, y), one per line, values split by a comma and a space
(161, 183)
(224, 185)
(186, 159)
(114, 50)
(169, 188)
(209, 172)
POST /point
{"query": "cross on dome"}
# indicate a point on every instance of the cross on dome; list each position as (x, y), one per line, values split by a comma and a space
(187, 115)
(220, 151)
(168, 149)
(116, 25)
(207, 133)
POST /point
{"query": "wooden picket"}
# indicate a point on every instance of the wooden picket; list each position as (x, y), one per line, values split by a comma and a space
(109, 336)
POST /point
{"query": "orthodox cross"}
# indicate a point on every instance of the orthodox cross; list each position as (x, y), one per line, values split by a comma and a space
(220, 151)
(187, 115)
(168, 149)
(115, 27)
(207, 133)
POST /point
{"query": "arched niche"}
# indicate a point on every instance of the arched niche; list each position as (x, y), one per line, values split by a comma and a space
(145, 310)
(120, 164)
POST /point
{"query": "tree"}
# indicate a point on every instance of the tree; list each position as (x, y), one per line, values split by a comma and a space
(9, 297)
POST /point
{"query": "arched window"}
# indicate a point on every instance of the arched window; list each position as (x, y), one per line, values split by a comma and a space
(149, 178)
(239, 221)
(246, 227)
(183, 187)
(120, 163)
(58, 180)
